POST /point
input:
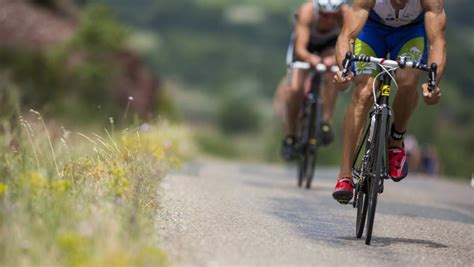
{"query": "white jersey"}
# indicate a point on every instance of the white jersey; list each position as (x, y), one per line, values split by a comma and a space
(384, 13)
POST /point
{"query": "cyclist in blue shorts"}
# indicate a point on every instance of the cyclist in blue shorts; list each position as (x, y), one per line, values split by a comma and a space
(409, 28)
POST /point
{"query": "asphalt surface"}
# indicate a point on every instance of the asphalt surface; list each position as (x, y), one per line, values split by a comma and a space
(218, 213)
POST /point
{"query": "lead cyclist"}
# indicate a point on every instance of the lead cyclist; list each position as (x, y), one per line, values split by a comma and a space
(409, 28)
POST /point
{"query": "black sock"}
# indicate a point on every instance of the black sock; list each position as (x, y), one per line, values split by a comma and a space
(395, 135)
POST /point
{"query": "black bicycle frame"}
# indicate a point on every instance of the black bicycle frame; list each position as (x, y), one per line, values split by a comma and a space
(381, 110)
(312, 102)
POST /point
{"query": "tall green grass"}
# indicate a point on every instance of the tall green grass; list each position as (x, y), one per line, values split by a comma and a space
(76, 199)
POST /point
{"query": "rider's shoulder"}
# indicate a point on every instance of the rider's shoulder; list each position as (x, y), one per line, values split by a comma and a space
(367, 4)
(306, 11)
(345, 8)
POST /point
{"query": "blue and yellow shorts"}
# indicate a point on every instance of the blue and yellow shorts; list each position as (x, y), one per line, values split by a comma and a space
(378, 40)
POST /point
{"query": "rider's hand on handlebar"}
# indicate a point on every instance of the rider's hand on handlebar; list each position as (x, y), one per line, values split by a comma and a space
(314, 60)
(329, 61)
(342, 84)
(431, 98)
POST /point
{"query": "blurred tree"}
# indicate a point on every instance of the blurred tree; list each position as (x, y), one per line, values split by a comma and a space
(238, 114)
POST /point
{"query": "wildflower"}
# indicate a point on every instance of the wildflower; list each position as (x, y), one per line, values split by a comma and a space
(158, 152)
(37, 181)
(117, 171)
(3, 189)
(175, 162)
(60, 186)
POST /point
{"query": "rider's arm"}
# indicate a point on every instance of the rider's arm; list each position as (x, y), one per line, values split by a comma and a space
(345, 8)
(435, 25)
(303, 32)
(354, 21)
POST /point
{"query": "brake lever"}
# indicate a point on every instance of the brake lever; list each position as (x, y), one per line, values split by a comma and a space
(432, 77)
(346, 64)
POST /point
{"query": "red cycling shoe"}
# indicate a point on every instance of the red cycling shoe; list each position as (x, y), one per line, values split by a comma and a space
(344, 190)
(398, 164)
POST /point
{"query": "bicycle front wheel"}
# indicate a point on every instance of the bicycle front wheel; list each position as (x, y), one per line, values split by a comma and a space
(302, 166)
(311, 163)
(375, 179)
(362, 202)
(312, 146)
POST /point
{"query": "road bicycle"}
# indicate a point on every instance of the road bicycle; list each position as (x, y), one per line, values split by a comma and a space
(370, 168)
(310, 129)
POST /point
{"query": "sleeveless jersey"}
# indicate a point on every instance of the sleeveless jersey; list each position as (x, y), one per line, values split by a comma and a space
(384, 13)
(319, 38)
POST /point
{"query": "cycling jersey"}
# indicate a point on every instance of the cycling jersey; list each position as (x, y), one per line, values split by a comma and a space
(384, 13)
(385, 35)
(318, 41)
(321, 38)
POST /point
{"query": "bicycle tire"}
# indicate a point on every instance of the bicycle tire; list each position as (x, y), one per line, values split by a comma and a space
(302, 162)
(377, 170)
(362, 204)
(310, 171)
(312, 147)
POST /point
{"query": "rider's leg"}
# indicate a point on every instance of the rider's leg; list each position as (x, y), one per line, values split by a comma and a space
(294, 99)
(329, 97)
(279, 101)
(403, 106)
(328, 91)
(354, 121)
(405, 102)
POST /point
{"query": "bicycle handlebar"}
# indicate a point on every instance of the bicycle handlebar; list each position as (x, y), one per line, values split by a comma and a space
(319, 68)
(402, 63)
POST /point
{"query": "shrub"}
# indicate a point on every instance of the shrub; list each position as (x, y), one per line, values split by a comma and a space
(238, 114)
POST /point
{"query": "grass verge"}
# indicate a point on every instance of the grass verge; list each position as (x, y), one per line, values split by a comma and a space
(74, 199)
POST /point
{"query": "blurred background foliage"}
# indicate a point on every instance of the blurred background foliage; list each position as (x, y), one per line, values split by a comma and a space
(221, 61)
(73, 79)
(211, 46)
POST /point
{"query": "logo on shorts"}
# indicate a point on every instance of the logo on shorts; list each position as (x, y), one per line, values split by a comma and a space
(414, 53)
(365, 67)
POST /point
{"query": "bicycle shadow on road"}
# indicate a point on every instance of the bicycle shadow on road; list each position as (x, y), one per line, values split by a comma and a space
(388, 241)
(312, 218)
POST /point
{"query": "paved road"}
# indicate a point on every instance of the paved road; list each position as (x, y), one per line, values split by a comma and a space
(224, 213)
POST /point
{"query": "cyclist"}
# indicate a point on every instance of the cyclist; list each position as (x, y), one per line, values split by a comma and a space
(318, 23)
(398, 28)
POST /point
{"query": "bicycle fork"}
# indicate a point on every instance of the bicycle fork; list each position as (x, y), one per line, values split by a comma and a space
(381, 118)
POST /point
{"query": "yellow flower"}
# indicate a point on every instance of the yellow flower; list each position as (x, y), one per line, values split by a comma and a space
(33, 180)
(60, 186)
(175, 162)
(117, 171)
(3, 189)
(158, 152)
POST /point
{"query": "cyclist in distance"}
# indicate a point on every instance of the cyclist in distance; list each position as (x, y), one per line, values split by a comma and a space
(318, 24)
(381, 27)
